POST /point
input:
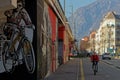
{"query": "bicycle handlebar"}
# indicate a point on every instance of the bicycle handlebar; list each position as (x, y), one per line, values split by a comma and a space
(18, 26)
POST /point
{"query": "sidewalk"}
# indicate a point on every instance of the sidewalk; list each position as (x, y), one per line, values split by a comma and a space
(67, 71)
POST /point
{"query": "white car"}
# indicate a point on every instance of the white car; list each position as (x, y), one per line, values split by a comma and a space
(106, 56)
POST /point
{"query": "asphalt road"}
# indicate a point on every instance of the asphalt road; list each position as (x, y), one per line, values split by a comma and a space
(106, 71)
(81, 69)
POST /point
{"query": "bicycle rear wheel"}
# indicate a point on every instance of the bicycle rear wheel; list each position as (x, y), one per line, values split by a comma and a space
(95, 69)
(8, 61)
(29, 57)
(94, 72)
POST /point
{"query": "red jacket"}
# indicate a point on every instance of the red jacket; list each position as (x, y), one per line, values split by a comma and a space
(94, 57)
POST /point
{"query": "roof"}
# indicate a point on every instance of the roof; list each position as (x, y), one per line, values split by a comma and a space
(117, 16)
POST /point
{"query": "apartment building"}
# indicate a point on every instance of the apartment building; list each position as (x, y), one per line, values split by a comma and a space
(109, 33)
(92, 40)
(97, 41)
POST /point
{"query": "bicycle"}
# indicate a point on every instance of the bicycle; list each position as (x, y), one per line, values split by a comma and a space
(95, 67)
(23, 53)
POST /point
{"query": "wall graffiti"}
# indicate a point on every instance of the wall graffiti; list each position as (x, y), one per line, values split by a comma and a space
(17, 45)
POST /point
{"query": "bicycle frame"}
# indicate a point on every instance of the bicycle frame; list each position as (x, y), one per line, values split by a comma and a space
(19, 47)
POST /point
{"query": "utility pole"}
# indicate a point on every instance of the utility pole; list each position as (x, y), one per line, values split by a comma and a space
(73, 22)
(64, 6)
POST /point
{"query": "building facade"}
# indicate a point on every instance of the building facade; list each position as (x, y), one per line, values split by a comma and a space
(54, 37)
(109, 33)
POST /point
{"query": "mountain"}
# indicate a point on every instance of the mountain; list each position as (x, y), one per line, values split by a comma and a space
(86, 19)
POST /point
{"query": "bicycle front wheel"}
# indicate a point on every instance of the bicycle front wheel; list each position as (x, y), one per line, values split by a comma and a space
(8, 61)
(28, 55)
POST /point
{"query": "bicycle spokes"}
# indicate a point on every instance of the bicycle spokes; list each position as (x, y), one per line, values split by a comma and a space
(26, 47)
(29, 57)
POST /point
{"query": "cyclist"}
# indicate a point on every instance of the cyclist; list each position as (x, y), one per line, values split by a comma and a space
(17, 17)
(94, 59)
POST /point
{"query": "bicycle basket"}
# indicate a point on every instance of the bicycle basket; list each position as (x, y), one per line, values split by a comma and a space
(29, 33)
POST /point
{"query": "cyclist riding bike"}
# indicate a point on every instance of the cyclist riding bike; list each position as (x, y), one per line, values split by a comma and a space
(94, 59)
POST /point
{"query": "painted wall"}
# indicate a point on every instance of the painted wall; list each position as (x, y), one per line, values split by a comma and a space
(53, 21)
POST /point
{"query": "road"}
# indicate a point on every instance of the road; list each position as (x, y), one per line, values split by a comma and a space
(81, 69)
(107, 70)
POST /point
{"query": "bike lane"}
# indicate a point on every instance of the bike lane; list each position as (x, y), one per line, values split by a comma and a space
(88, 71)
(106, 70)
(82, 77)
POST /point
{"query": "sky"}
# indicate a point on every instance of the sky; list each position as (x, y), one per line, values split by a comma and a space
(75, 4)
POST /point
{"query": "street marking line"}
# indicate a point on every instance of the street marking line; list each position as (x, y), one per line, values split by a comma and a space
(81, 69)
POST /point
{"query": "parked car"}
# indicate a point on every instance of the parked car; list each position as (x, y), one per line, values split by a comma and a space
(106, 56)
